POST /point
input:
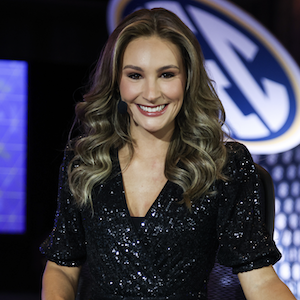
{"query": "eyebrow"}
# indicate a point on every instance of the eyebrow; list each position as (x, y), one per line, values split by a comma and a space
(159, 70)
(133, 67)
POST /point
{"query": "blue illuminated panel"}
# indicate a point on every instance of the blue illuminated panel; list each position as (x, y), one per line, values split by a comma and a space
(285, 171)
(13, 132)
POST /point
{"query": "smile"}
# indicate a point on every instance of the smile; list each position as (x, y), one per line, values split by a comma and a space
(152, 109)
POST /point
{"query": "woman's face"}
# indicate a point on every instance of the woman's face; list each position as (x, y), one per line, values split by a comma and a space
(152, 84)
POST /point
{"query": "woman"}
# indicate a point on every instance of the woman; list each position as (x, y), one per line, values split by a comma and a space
(157, 191)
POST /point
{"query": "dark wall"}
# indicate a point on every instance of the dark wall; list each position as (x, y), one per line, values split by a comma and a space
(67, 32)
(61, 40)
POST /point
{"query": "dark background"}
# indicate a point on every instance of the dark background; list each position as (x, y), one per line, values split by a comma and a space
(61, 40)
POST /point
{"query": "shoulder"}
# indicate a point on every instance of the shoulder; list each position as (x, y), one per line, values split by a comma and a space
(71, 151)
(68, 153)
(68, 157)
(239, 159)
(236, 148)
(237, 152)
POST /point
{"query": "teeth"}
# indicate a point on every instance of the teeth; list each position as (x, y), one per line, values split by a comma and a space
(152, 109)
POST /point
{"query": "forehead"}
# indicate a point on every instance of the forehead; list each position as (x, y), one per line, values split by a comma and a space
(152, 48)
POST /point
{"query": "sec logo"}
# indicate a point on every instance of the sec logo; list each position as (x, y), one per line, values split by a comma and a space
(256, 79)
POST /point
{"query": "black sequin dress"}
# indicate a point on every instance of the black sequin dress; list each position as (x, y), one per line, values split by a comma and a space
(171, 253)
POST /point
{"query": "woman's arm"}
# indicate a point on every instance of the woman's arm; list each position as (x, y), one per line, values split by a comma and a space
(59, 282)
(264, 284)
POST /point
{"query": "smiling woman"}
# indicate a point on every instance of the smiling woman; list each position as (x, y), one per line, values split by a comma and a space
(150, 197)
(194, 137)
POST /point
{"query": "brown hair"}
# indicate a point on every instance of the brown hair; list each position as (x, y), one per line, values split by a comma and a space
(197, 139)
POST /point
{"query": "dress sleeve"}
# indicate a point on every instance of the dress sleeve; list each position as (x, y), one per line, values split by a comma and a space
(66, 243)
(244, 242)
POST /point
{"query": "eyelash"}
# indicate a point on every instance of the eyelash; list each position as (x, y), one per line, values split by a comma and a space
(134, 76)
(167, 75)
(137, 76)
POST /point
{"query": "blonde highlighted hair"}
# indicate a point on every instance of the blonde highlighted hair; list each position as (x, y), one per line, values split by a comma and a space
(197, 140)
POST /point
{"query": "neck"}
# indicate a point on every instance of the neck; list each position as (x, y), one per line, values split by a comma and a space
(151, 144)
(147, 147)
(156, 149)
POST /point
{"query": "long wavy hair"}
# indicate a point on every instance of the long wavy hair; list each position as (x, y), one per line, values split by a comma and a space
(197, 140)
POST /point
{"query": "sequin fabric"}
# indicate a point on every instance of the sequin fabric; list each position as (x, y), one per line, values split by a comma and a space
(173, 250)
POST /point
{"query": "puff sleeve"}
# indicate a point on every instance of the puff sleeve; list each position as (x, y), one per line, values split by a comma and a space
(244, 242)
(66, 243)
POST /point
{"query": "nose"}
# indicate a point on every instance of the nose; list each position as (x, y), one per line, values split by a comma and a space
(151, 90)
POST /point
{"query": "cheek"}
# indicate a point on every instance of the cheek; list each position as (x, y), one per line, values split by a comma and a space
(128, 90)
(174, 91)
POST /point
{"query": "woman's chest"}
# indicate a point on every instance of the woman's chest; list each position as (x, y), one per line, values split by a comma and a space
(168, 222)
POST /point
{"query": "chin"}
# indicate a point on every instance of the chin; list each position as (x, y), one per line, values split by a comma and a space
(152, 130)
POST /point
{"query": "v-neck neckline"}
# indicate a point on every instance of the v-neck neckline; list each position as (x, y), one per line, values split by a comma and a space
(155, 202)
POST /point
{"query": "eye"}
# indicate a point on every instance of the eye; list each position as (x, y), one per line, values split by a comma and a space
(167, 75)
(134, 76)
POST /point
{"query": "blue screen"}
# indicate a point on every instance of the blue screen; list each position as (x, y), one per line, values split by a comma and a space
(13, 146)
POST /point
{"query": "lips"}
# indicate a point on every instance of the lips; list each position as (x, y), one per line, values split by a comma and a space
(152, 111)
